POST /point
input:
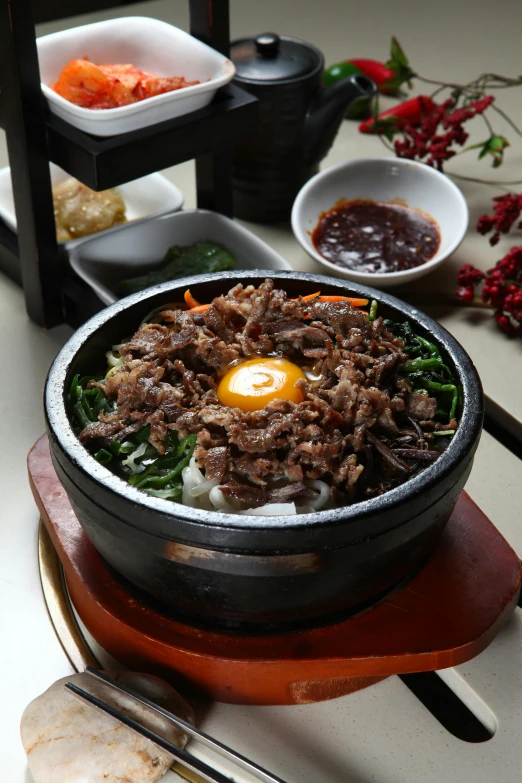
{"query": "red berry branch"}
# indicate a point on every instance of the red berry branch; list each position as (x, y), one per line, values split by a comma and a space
(507, 211)
(422, 129)
(502, 285)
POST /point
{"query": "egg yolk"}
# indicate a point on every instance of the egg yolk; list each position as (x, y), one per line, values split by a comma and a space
(253, 384)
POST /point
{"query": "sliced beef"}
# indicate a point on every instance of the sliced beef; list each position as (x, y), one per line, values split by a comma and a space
(215, 322)
(341, 316)
(260, 302)
(100, 429)
(216, 463)
(254, 496)
(421, 407)
(255, 469)
(261, 440)
(251, 496)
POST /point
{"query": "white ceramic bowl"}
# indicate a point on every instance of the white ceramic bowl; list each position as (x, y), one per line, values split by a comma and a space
(102, 260)
(383, 179)
(144, 197)
(148, 44)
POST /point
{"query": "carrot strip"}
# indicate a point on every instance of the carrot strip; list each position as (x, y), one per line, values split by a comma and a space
(189, 299)
(352, 300)
(307, 297)
(317, 296)
(199, 309)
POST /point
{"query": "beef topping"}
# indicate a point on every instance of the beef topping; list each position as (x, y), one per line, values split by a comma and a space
(359, 426)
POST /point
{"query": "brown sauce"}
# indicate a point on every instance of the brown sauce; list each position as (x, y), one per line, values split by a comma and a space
(373, 236)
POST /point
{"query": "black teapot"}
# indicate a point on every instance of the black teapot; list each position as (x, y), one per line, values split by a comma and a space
(298, 121)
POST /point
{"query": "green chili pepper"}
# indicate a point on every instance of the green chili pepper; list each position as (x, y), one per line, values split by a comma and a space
(172, 493)
(142, 435)
(187, 444)
(160, 482)
(127, 447)
(86, 406)
(103, 456)
(81, 417)
(75, 390)
(115, 447)
(373, 310)
(167, 464)
(444, 432)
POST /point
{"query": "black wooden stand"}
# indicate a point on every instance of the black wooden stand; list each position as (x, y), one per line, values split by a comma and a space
(53, 294)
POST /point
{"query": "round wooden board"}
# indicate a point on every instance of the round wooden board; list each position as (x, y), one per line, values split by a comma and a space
(445, 615)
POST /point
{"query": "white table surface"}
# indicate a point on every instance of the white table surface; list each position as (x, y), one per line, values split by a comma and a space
(383, 733)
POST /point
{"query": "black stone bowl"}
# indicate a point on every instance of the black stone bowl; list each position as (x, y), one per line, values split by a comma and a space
(254, 572)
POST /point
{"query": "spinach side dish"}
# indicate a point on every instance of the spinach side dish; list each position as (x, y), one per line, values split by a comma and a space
(198, 259)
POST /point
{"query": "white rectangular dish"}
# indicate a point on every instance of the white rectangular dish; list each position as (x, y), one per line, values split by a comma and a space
(144, 197)
(148, 44)
(103, 260)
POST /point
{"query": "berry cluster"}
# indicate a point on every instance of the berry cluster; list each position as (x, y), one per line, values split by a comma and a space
(427, 143)
(506, 211)
(501, 289)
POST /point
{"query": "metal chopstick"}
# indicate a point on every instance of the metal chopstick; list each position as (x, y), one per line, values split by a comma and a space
(218, 747)
(184, 758)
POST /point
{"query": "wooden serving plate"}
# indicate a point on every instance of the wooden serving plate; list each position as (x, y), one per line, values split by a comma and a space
(446, 614)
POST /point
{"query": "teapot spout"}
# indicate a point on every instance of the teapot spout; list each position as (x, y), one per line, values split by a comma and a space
(326, 111)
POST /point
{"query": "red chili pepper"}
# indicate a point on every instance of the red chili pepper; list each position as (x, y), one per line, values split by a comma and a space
(411, 112)
(377, 72)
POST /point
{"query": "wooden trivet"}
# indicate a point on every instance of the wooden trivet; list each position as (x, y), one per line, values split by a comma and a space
(446, 614)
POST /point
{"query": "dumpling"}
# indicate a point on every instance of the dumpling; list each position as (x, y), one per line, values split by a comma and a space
(69, 741)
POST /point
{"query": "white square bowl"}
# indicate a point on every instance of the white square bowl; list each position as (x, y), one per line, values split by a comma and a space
(148, 44)
(103, 260)
(143, 198)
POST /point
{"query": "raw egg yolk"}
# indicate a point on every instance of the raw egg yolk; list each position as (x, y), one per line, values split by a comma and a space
(253, 384)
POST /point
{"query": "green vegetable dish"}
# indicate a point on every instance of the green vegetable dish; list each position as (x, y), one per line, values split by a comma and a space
(201, 258)
(426, 372)
(135, 459)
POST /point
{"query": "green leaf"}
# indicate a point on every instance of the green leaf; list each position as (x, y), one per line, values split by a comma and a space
(397, 54)
(399, 64)
(493, 146)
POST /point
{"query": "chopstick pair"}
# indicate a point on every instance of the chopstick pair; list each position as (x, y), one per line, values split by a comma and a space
(182, 756)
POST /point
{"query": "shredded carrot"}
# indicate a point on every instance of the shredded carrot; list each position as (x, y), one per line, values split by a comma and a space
(317, 296)
(199, 309)
(189, 299)
(195, 307)
(307, 297)
(352, 300)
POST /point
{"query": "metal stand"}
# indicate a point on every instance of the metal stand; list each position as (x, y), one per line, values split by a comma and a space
(53, 294)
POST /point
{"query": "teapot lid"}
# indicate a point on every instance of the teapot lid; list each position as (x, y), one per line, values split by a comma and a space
(272, 58)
